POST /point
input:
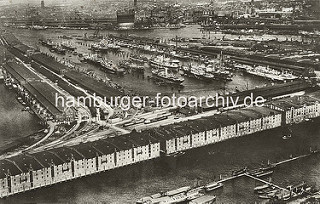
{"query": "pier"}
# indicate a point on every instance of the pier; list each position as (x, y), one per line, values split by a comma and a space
(231, 178)
(272, 164)
(283, 192)
(295, 158)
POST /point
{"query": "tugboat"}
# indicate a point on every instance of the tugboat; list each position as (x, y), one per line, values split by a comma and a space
(166, 77)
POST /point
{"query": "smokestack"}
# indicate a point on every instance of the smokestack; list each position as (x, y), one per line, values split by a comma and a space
(42, 4)
(135, 2)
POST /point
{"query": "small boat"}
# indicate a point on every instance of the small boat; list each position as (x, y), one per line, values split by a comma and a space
(269, 194)
(177, 191)
(169, 197)
(206, 199)
(31, 112)
(195, 193)
(269, 167)
(266, 191)
(27, 108)
(285, 137)
(287, 133)
(264, 196)
(267, 173)
(176, 154)
(261, 173)
(272, 193)
(308, 120)
(213, 186)
(297, 186)
(258, 188)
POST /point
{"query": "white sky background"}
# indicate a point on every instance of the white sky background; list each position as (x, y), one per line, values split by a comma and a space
(46, 2)
(70, 2)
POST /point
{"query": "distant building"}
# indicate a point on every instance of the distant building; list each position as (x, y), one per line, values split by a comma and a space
(272, 13)
(42, 4)
(125, 19)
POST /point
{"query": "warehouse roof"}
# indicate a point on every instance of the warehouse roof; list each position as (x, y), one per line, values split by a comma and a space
(24, 72)
(23, 48)
(6, 167)
(66, 154)
(26, 162)
(46, 158)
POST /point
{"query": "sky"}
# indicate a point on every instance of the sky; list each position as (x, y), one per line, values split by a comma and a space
(47, 2)
(67, 2)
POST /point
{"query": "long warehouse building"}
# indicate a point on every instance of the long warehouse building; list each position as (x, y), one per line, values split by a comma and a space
(30, 171)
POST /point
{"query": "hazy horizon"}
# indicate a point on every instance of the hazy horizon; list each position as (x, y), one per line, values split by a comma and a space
(66, 2)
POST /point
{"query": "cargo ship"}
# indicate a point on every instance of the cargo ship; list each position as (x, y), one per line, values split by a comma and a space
(209, 72)
(105, 46)
(47, 43)
(166, 77)
(113, 47)
(160, 62)
(68, 46)
(132, 66)
(138, 59)
(58, 49)
(271, 74)
(104, 65)
(198, 73)
(99, 48)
